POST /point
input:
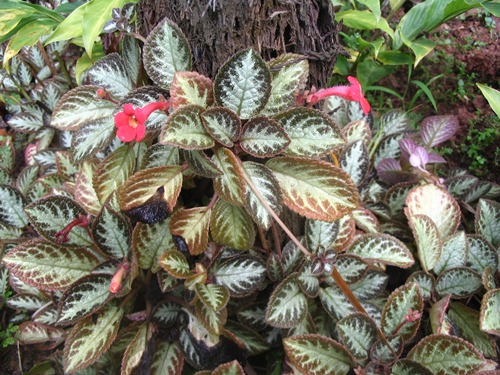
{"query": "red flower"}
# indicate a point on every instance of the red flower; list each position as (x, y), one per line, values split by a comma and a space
(130, 122)
(352, 92)
(116, 281)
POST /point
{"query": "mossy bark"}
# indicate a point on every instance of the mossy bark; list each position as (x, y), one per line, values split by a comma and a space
(216, 29)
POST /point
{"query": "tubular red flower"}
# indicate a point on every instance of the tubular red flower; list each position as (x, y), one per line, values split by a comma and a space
(352, 92)
(116, 281)
(130, 122)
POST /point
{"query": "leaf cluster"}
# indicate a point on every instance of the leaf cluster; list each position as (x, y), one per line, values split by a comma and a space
(245, 230)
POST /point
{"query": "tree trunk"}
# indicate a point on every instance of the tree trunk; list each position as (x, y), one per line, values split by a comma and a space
(216, 29)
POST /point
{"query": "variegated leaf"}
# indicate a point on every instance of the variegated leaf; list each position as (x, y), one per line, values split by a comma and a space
(481, 254)
(201, 164)
(213, 321)
(241, 275)
(404, 301)
(192, 225)
(460, 282)
(11, 207)
(166, 313)
(253, 342)
(46, 315)
(289, 74)
(191, 88)
(357, 130)
(6, 178)
(230, 186)
(388, 148)
(383, 353)
(382, 248)
(92, 137)
(351, 267)
(355, 160)
(25, 301)
(425, 281)
(80, 107)
(168, 359)
(175, 263)
(48, 266)
(467, 321)
(408, 367)
(231, 226)
(243, 84)
(318, 355)
(159, 156)
(437, 204)
(136, 349)
(52, 214)
(487, 221)
(7, 154)
(91, 337)
(110, 74)
(184, 128)
(428, 239)
(8, 232)
(479, 190)
(274, 268)
(25, 122)
(435, 130)
(393, 122)
(267, 185)
(131, 54)
(308, 280)
(459, 186)
(263, 137)
(371, 285)
(223, 125)
(312, 133)
(166, 281)
(38, 333)
(447, 355)
(454, 252)
(231, 368)
(166, 51)
(347, 229)
(291, 257)
(358, 333)
(213, 296)
(366, 220)
(489, 318)
(287, 305)
(314, 189)
(112, 233)
(396, 198)
(320, 235)
(83, 298)
(85, 194)
(150, 241)
(143, 185)
(114, 171)
(65, 166)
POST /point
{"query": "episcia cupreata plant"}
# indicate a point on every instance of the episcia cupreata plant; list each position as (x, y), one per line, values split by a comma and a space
(225, 225)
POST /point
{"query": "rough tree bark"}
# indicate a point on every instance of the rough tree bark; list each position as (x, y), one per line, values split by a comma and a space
(216, 29)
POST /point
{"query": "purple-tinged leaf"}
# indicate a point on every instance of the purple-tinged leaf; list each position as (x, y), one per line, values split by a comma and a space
(435, 130)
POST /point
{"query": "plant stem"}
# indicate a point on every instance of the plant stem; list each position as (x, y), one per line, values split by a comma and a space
(274, 215)
(47, 60)
(64, 70)
(276, 239)
(263, 240)
(339, 280)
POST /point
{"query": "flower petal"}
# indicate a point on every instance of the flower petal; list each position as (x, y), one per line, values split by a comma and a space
(140, 132)
(121, 119)
(126, 133)
(128, 109)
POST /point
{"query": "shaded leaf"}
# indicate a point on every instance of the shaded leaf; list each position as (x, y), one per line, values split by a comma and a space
(192, 225)
(487, 221)
(231, 226)
(315, 354)
(149, 242)
(435, 130)
(11, 207)
(230, 186)
(112, 233)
